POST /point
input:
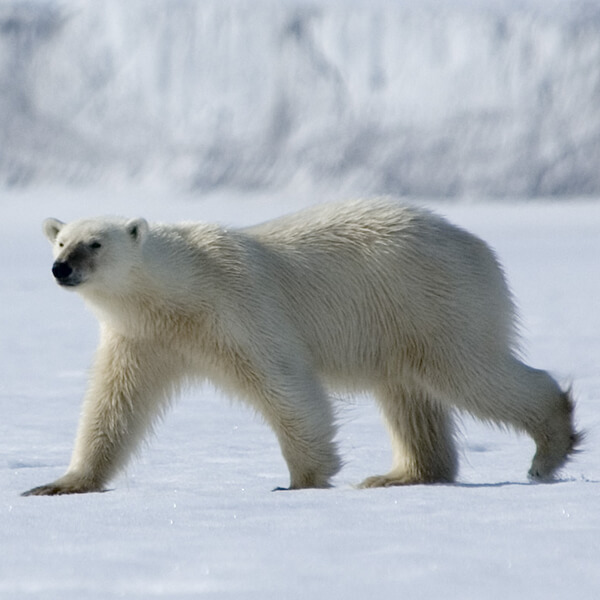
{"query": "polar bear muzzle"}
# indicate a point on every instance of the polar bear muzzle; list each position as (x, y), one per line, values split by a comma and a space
(64, 274)
(72, 268)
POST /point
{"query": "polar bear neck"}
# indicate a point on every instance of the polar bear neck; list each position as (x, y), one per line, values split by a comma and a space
(170, 286)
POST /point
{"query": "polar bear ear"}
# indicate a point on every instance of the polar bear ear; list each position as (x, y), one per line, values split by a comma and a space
(51, 227)
(137, 229)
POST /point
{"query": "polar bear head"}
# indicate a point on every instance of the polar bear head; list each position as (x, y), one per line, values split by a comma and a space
(95, 252)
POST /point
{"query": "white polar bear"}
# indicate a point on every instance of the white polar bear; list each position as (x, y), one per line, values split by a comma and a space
(363, 296)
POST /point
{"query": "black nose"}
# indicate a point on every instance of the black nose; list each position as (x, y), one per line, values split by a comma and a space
(61, 270)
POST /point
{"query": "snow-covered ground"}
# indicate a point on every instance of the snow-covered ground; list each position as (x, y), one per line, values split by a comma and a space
(195, 517)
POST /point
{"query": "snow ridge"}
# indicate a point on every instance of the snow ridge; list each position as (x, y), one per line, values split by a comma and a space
(404, 97)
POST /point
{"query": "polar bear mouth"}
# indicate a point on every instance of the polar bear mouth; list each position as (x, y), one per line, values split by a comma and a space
(68, 283)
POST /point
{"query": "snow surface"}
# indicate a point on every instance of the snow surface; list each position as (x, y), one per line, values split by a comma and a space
(195, 517)
(419, 97)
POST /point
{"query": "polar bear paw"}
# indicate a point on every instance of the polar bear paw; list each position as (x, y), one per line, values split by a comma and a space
(64, 485)
(389, 480)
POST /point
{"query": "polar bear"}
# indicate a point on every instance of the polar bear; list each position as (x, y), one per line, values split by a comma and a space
(371, 296)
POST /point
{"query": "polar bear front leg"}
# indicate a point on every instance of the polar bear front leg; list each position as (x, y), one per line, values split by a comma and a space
(309, 450)
(128, 386)
(297, 408)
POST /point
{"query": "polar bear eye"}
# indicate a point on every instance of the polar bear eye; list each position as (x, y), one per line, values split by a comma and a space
(95, 245)
(60, 245)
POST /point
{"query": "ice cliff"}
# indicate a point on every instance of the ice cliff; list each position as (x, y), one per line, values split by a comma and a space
(421, 97)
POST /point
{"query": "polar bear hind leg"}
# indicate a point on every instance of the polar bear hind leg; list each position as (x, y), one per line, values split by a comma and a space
(554, 433)
(422, 436)
(527, 399)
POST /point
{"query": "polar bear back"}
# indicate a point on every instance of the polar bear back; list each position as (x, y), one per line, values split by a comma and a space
(378, 279)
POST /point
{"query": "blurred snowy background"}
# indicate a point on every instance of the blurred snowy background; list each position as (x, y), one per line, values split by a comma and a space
(420, 98)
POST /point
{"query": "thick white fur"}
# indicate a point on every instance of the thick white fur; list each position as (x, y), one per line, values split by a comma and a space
(363, 296)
